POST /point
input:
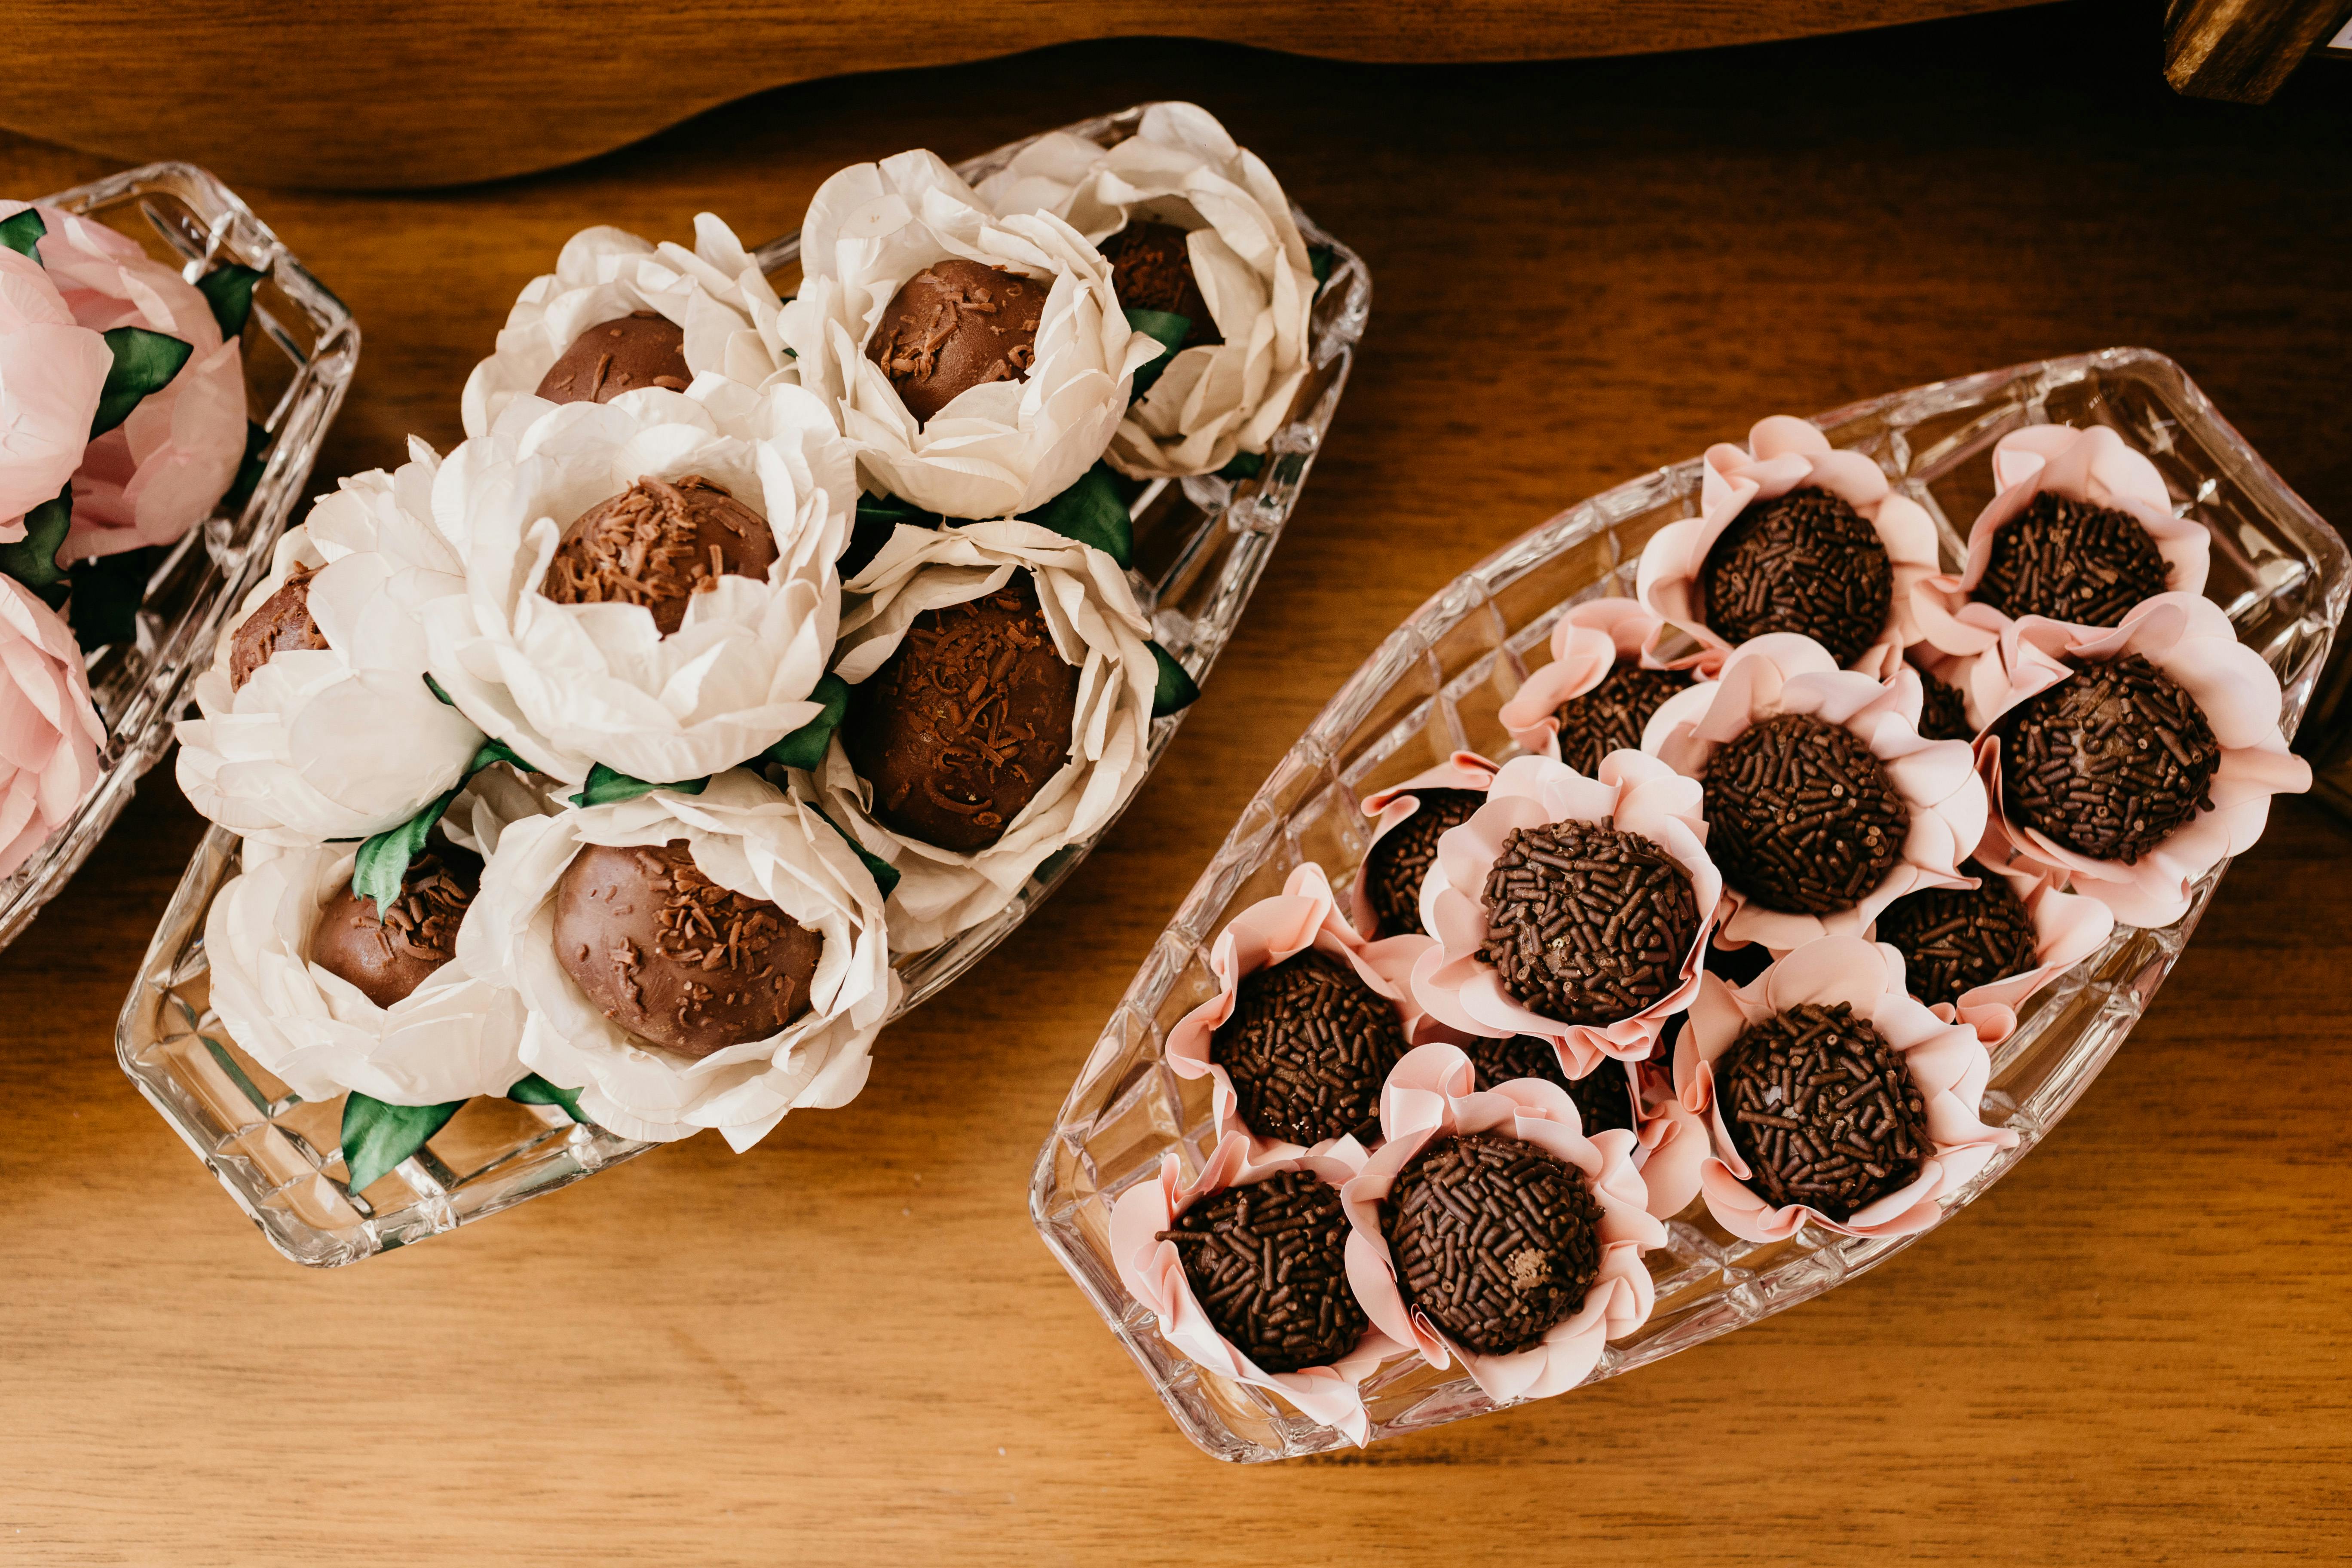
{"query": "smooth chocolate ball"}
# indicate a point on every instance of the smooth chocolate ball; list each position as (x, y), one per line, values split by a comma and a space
(962, 726)
(658, 544)
(673, 957)
(953, 326)
(280, 622)
(390, 957)
(1151, 270)
(627, 353)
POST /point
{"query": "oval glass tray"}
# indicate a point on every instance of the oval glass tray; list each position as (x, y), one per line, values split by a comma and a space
(1200, 547)
(1434, 685)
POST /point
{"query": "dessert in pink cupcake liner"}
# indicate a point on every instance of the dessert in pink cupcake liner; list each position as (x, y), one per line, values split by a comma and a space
(1390, 809)
(1457, 982)
(2187, 644)
(50, 732)
(1152, 1269)
(52, 370)
(1428, 1097)
(2065, 928)
(1785, 455)
(1589, 644)
(1819, 995)
(2093, 468)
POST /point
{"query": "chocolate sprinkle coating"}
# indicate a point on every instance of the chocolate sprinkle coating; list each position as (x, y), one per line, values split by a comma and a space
(1943, 712)
(1494, 1240)
(628, 354)
(1399, 862)
(2073, 561)
(1802, 818)
(278, 623)
(1955, 939)
(1307, 1048)
(388, 957)
(1612, 715)
(2109, 763)
(1268, 1265)
(1585, 923)
(1823, 1109)
(657, 544)
(1604, 1097)
(1151, 270)
(1805, 562)
(955, 325)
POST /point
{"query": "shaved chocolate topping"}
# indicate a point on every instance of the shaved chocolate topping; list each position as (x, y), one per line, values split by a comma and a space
(1307, 1048)
(1268, 1265)
(2073, 561)
(1612, 715)
(1399, 862)
(955, 325)
(658, 544)
(627, 353)
(390, 957)
(1586, 924)
(278, 623)
(1151, 270)
(1955, 939)
(1805, 562)
(1823, 1109)
(1604, 1097)
(1494, 1240)
(1801, 816)
(2109, 763)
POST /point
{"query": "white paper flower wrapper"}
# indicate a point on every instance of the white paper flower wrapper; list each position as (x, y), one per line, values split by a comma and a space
(997, 449)
(1097, 625)
(571, 685)
(744, 834)
(50, 729)
(1182, 169)
(52, 370)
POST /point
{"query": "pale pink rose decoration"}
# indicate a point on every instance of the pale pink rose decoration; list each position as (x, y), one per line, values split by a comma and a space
(50, 732)
(1392, 807)
(1936, 780)
(1785, 454)
(1587, 644)
(1947, 1063)
(1635, 793)
(1153, 1272)
(2091, 466)
(1428, 1096)
(2067, 929)
(51, 371)
(1303, 915)
(2190, 638)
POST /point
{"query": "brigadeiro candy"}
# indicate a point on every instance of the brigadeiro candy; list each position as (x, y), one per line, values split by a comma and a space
(1408, 819)
(1605, 1097)
(1976, 955)
(1597, 695)
(1943, 708)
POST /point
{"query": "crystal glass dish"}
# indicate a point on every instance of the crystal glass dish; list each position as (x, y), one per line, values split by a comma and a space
(300, 348)
(1200, 547)
(1434, 686)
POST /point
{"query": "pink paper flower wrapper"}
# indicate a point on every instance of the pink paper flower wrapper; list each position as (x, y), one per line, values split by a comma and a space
(1303, 915)
(2067, 929)
(1947, 1063)
(1428, 1096)
(50, 729)
(1392, 807)
(1153, 1272)
(1635, 793)
(2091, 466)
(1785, 454)
(2190, 638)
(52, 370)
(1784, 673)
(1588, 643)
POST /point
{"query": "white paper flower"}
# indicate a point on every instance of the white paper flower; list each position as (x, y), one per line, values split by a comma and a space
(1181, 168)
(996, 449)
(571, 685)
(1096, 625)
(746, 835)
(51, 371)
(50, 732)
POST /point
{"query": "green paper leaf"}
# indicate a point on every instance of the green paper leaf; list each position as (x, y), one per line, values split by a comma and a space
(377, 1137)
(1092, 512)
(33, 559)
(492, 752)
(804, 747)
(382, 863)
(877, 517)
(1175, 691)
(1319, 258)
(250, 468)
(144, 362)
(606, 785)
(228, 289)
(435, 687)
(1169, 328)
(536, 1090)
(1245, 466)
(22, 233)
(1051, 866)
(886, 875)
(106, 597)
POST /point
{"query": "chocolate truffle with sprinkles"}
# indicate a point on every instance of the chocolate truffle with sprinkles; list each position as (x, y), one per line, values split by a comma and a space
(1955, 939)
(1805, 562)
(1585, 923)
(1494, 1240)
(1612, 716)
(1943, 712)
(1604, 1097)
(1307, 1048)
(279, 624)
(955, 325)
(1268, 1265)
(658, 544)
(2109, 763)
(628, 354)
(1823, 1109)
(1802, 818)
(1399, 862)
(2071, 560)
(389, 954)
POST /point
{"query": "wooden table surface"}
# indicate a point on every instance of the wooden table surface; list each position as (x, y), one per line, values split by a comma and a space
(848, 1344)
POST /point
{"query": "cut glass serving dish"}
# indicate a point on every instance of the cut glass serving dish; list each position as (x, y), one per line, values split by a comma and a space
(1200, 545)
(1434, 686)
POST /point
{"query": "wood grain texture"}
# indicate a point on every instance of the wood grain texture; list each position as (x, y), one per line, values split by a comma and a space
(2242, 51)
(849, 1345)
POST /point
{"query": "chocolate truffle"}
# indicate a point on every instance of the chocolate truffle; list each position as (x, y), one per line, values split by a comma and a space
(673, 957)
(1801, 816)
(1268, 1265)
(658, 544)
(1494, 1240)
(1399, 862)
(953, 326)
(1307, 1048)
(1823, 1110)
(387, 958)
(1586, 924)
(2071, 560)
(1955, 939)
(627, 353)
(1943, 712)
(1604, 1097)
(1151, 270)
(280, 622)
(1612, 715)
(1805, 562)
(2109, 763)
(965, 723)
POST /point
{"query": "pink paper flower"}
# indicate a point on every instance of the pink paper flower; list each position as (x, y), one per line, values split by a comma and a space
(2093, 467)
(2067, 929)
(2190, 640)
(1947, 1063)
(1430, 1096)
(1936, 780)
(1635, 793)
(51, 371)
(1392, 807)
(1785, 454)
(50, 732)
(1588, 643)
(1153, 1272)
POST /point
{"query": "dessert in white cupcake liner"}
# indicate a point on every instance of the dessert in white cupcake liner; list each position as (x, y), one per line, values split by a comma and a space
(54, 369)
(1392, 807)
(49, 730)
